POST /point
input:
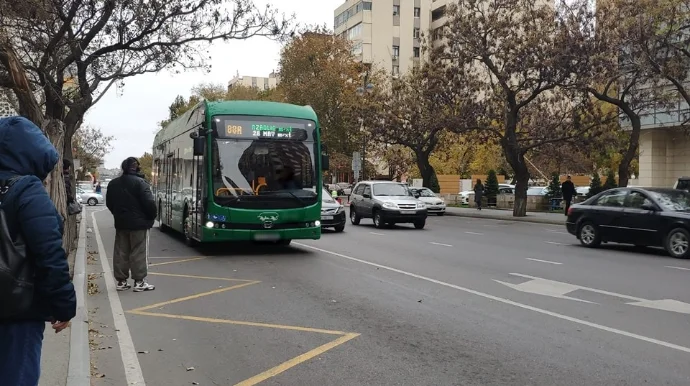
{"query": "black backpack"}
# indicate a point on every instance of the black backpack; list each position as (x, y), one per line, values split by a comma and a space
(16, 273)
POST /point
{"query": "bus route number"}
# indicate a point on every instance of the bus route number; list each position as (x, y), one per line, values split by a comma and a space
(234, 130)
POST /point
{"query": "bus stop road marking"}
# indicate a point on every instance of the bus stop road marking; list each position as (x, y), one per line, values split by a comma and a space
(342, 336)
(176, 261)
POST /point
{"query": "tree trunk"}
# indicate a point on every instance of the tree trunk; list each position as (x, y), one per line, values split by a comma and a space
(427, 171)
(55, 184)
(516, 160)
(631, 152)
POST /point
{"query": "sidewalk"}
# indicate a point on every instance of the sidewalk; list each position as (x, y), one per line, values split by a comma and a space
(65, 356)
(507, 215)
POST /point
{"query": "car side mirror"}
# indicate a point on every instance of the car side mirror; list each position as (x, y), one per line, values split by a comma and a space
(366, 195)
(648, 207)
(199, 143)
(416, 195)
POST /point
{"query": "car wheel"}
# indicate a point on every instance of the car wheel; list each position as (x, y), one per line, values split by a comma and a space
(92, 201)
(354, 217)
(420, 224)
(378, 220)
(589, 235)
(677, 243)
(339, 228)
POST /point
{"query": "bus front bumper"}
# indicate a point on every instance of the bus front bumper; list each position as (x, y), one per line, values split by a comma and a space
(221, 235)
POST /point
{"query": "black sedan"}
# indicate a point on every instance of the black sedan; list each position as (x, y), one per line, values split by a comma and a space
(642, 217)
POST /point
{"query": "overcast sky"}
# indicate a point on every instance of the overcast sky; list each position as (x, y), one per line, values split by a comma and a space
(131, 116)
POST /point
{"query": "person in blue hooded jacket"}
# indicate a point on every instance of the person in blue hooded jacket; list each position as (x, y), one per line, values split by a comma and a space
(27, 153)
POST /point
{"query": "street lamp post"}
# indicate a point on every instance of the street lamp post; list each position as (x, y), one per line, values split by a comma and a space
(362, 91)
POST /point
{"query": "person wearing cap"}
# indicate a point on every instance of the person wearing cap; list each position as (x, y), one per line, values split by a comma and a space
(131, 202)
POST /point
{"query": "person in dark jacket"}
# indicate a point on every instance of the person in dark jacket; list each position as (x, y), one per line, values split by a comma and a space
(131, 202)
(568, 191)
(478, 193)
(25, 152)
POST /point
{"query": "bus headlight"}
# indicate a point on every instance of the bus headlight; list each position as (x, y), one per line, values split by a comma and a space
(209, 224)
(317, 223)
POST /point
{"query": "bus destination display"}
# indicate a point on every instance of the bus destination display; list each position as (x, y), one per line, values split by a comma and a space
(263, 130)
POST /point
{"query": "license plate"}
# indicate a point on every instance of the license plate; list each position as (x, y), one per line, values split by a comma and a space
(408, 212)
(326, 217)
(266, 237)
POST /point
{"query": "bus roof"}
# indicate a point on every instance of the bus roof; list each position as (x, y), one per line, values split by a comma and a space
(258, 108)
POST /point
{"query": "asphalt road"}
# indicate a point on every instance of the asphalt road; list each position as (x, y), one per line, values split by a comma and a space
(462, 302)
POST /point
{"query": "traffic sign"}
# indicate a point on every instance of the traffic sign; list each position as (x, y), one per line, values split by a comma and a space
(356, 161)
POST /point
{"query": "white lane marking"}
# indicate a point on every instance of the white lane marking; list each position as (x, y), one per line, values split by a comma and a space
(377, 234)
(681, 268)
(545, 287)
(555, 231)
(475, 233)
(130, 360)
(554, 243)
(440, 244)
(544, 261)
(575, 286)
(508, 301)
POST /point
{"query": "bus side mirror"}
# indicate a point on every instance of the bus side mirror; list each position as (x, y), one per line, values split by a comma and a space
(199, 143)
(325, 159)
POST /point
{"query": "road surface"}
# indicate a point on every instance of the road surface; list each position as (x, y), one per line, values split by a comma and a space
(462, 302)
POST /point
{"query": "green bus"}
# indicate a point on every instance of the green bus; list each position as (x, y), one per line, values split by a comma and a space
(240, 171)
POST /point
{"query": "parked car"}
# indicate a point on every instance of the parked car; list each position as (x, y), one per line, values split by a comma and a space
(502, 189)
(434, 204)
(346, 187)
(642, 217)
(387, 203)
(332, 212)
(683, 183)
(91, 198)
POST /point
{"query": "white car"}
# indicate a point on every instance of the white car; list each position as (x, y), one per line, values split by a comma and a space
(502, 189)
(434, 204)
(91, 198)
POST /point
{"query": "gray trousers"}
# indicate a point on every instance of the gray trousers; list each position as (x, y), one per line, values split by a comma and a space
(131, 253)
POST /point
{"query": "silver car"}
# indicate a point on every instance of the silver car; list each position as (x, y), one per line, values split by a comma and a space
(91, 198)
(434, 204)
(387, 203)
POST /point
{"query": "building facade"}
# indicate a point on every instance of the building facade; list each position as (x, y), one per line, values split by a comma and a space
(262, 83)
(385, 33)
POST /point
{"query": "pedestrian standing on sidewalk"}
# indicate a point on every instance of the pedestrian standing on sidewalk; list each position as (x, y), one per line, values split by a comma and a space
(34, 227)
(568, 191)
(131, 202)
(478, 193)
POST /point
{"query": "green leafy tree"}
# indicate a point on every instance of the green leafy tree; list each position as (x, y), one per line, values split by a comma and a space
(555, 187)
(90, 146)
(146, 164)
(610, 182)
(594, 185)
(491, 188)
(434, 184)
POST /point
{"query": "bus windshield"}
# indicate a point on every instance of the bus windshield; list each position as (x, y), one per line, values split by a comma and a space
(262, 171)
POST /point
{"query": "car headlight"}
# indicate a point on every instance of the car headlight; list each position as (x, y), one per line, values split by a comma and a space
(421, 205)
(341, 209)
(390, 205)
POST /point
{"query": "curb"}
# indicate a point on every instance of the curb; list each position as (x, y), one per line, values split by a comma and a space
(505, 218)
(79, 371)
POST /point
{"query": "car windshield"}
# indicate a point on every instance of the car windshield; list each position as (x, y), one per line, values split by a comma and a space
(672, 200)
(425, 193)
(261, 171)
(535, 191)
(387, 189)
(326, 196)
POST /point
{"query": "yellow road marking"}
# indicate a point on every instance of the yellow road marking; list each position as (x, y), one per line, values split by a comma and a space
(296, 360)
(198, 277)
(238, 322)
(178, 261)
(182, 299)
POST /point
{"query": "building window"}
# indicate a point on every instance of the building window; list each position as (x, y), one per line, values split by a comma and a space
(415, 34)
(367, 5)
(357, 49)
(396, 70)
(417, 12)
(396, 10)
(355, 32)
(266, 84)
(415, 52)
(438, 13)
(253, 82)
(396, 51)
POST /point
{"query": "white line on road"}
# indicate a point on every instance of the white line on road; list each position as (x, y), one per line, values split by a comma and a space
(622, 296)
(440, 244)
(377, 234)
(554, 243)
(475, 233)
(544, 261)
(681, 268)
(508, 301)
(130, 360)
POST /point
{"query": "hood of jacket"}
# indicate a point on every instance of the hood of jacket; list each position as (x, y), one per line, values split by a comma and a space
(24, 149)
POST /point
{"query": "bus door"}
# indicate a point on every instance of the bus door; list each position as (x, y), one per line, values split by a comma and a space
(197, 217)
(169, 176)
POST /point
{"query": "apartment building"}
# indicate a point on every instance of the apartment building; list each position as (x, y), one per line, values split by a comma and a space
(385, 33)
(262, 83)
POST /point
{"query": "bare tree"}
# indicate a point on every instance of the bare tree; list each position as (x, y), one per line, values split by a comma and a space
(514, 57)
(59, 57)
